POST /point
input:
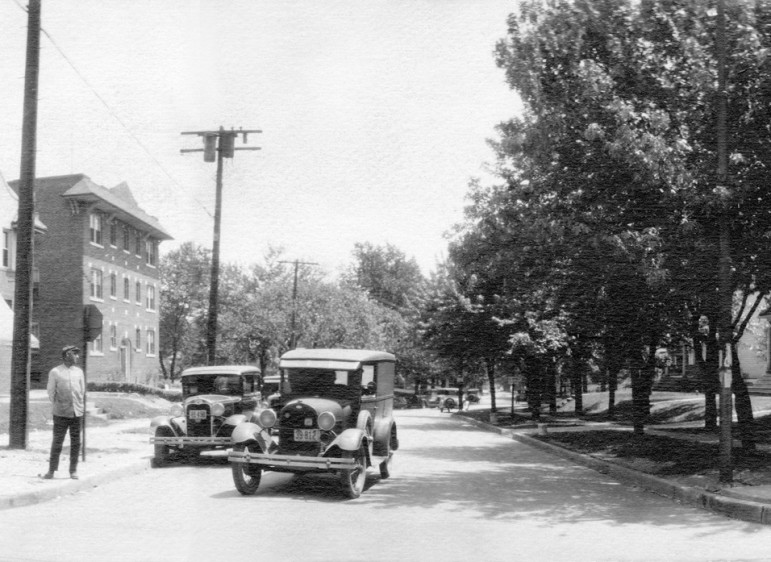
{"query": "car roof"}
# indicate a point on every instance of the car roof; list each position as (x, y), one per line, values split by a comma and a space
(346, 359)
(221, 370)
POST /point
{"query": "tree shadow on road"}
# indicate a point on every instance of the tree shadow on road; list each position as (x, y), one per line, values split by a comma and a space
(499, 478)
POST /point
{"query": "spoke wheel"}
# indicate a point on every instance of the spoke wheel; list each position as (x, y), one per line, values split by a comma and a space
(352, 480)
(246, 476)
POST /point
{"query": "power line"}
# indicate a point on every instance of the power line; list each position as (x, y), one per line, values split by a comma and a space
(115, 115)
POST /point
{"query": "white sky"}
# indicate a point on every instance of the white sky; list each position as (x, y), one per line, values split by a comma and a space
(374, 114)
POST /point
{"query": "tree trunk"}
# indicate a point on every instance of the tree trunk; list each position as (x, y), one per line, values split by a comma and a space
(551, 381)
(490, 366)
(711, 382)
(642, 383)
(742, 403)
(576, 383)
(534, 388)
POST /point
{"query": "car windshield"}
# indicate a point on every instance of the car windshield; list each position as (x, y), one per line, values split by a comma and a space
(194, 385)
(324, 382)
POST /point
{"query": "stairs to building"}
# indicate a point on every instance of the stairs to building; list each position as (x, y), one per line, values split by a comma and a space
(95, 414)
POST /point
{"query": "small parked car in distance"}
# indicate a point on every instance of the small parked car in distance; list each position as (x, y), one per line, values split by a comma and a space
(215, 399)
(335, 415)
(445, 398)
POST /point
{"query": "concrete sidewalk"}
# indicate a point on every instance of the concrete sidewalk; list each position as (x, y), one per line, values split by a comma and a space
(117, 449)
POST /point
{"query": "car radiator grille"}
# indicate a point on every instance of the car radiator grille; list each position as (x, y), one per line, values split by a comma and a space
(199, 428)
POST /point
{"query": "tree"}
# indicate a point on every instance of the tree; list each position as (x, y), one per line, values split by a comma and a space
(184, 275)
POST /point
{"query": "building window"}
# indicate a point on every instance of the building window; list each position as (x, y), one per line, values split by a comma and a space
(126, 289)
(113, 233)
(150, 297)
(96, 228)
(138, 289)
(6, 248)
(96, 284)
(113, 336)
(113, 285)
(138, 245)
(138, 339)
(150, 252)
(126, 238)
(97, 346)
(151, 342)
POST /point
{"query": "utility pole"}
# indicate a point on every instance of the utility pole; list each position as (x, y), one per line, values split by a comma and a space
(20, 356)
(297, 263)
(221, 143)
(725, 322)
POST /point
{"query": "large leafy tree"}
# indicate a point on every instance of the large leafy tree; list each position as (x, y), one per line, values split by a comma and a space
(617, 147)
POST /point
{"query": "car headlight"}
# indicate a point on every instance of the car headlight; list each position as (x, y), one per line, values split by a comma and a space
(176, 410)
(267, 418)
(217, 409)
(326, 420)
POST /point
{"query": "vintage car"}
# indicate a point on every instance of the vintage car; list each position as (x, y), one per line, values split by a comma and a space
(443, 398)
(215, 399)
(335, 415)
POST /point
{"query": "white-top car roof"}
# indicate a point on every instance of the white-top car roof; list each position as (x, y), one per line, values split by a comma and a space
(346, 359)
(221, 370)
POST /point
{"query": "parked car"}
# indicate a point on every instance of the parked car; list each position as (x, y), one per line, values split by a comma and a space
(408, 399)
(443, 398)
(335, 416)
(215, 399)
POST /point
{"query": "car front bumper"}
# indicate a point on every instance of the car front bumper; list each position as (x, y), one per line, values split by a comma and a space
(198, 441)
(291, 461)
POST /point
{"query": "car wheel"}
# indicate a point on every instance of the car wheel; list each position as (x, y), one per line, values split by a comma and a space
(162, 452)
(352, 480)
(246, 476)
(449, 404)
(385, 466)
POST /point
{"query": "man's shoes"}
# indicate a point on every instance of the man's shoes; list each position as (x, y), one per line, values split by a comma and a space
(48, 475)
(74, 475)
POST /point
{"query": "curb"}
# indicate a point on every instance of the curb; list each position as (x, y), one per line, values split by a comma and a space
(72, 487)
(745, 510)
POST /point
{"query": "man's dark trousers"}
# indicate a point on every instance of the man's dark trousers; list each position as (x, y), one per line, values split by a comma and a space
(61, 425)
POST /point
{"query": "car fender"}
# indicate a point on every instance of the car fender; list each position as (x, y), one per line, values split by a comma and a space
(349, 440)
(248, 432)
(165, 421)
(382, 436)
(236, 419)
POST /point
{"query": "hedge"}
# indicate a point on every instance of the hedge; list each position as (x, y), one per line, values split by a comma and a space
(172, 394)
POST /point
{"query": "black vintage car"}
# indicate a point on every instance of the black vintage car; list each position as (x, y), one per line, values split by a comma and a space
(214, 400)
(335, 415)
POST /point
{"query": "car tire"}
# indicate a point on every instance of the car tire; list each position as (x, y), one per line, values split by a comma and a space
(352, 480)
(246, 476)
(449, 404)
(162, 453)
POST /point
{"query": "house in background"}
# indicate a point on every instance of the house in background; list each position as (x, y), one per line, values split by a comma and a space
(9, 207)
(100, 249)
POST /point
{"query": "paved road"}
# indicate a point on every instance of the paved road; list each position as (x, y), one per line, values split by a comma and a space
(457, 493)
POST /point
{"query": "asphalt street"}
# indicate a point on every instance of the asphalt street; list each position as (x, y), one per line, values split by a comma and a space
(457, 493)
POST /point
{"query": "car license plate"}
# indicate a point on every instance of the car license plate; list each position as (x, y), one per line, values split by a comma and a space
(197, 415)
(307, 435)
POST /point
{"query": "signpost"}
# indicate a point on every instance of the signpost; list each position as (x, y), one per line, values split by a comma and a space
(92, 328)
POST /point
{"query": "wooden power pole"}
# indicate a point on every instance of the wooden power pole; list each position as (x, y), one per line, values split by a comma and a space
(297, 263)
(217, 145)
(22, 307)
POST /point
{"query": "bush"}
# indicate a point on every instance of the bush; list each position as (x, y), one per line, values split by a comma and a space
(171, 395)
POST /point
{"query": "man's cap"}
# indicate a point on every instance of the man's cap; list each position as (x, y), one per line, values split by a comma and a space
(67, 348)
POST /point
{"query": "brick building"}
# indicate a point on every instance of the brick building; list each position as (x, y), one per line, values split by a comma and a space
(100, 249)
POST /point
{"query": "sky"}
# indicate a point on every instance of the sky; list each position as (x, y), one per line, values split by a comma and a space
(375, 115)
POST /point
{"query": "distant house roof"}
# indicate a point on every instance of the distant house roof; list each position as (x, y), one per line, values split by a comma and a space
(9, 208)
(118, 201)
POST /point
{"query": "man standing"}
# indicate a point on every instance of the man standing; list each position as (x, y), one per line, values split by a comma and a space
(66, 389)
